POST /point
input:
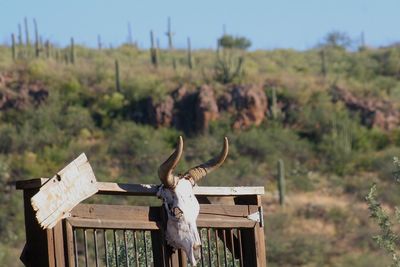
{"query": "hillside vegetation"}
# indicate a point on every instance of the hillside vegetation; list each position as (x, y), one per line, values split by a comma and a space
(331, 115)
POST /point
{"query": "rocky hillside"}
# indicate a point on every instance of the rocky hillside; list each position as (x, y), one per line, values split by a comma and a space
(334, 121)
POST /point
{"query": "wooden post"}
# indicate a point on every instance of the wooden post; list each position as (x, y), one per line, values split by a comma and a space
(252, 239)
(38, 249)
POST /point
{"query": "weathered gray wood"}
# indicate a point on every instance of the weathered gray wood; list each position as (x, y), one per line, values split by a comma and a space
(151, 190)
(106, 188)
(65, 190)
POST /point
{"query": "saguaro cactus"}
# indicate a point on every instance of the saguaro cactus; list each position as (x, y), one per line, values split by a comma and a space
(72, 51)
(169, 34)
(323, 62)
(47, 48)
(130, 38)
(190, 62)
(28, 41)
(13, 49)
(20, 42)
(274, 104)
(281, 181)
(117, 82)
(153, 51)
(37, 41)
(99, 44)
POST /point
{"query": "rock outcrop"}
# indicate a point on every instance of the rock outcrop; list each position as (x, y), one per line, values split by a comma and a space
(161, 113)
(193, 110)
(249, 103)
(206, 108)
(374, 113)
(16, 92)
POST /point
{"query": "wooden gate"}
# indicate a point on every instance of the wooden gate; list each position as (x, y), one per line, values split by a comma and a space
(119, 235)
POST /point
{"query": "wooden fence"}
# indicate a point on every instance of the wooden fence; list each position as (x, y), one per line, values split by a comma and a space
(120, 235)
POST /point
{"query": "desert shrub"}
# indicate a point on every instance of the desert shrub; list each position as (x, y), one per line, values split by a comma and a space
(108, 108)
(379, 162)
(362, 259)
(138, 88)
(388, 60)
(362, 66)
(299, 250)
(272, 143)
(139, 150)
(388, 236)
(7, 137)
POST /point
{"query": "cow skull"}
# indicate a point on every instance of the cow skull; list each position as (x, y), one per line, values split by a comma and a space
(180, 202)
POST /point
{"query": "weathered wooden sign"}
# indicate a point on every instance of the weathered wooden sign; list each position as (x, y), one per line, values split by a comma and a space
(60, 194)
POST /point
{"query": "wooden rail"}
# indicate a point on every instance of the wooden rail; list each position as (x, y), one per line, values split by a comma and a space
(243, 237)
(106, 188)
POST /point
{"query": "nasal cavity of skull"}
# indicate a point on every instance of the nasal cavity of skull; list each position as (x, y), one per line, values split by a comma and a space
(176, 212)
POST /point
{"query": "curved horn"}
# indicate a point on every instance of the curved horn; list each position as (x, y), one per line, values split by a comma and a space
(166, 169)
(202, 170)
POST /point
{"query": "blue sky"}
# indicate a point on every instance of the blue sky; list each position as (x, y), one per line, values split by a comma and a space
(268, 24)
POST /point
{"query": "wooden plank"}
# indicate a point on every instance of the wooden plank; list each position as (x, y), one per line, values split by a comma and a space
(50, 247)
(182, 258)
(65, 190)
(137, 217)
(202, 221)
(228, 191)
(224, 223)
(116, 212)
(225, 210)
(151, 190)
(106, 188)
(173, 257)
(69, 243)
(112, 224)
(59, 245)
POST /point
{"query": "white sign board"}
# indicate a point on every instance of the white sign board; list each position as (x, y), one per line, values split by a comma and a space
(60, 194)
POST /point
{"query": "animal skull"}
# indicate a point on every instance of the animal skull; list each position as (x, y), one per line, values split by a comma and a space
(180, 202)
